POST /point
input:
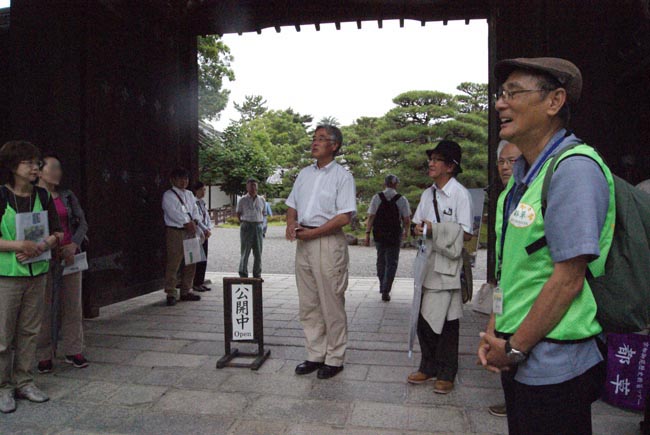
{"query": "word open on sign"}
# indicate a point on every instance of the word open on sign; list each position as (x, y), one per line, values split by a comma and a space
(242, 312)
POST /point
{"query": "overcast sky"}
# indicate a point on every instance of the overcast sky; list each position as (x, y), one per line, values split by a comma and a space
(350, 73)
(4, 3)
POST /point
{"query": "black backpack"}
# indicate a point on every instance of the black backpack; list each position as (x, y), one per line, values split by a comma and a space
(623, 292)
(387, 226)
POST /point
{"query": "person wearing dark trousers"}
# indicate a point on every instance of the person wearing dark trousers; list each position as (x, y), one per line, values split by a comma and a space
(435, 347)
(205, 225)
(444, 214)
(507, 155)
(542, 334)
(251, 210)
(389, 219)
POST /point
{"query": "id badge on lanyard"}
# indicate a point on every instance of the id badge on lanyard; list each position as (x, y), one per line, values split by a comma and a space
(497, 300)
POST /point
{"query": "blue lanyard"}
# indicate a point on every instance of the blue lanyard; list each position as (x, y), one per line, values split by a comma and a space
(532, 172)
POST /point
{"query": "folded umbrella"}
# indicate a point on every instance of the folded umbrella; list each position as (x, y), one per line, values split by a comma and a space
(419, 273)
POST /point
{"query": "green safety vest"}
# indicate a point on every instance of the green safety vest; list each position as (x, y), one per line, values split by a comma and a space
(9, 265)
(523, 275)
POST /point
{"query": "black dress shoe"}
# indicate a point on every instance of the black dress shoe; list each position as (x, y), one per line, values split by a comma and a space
(327, 372)
(190, 297)
(307, 367)
(385, 297)
(171, 301)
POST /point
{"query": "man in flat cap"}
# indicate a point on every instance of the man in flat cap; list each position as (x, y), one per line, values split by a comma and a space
(389, 220)
(446, 210)
(542, 333)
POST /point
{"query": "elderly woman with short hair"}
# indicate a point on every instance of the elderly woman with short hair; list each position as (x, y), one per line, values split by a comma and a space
(22, 279)
(62, 291)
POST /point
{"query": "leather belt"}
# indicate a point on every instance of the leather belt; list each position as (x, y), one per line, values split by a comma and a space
(175, 228)
(308, 227)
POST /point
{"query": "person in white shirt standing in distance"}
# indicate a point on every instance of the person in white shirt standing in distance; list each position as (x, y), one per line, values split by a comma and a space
(181, 218)
(321, 203)
(251, 210)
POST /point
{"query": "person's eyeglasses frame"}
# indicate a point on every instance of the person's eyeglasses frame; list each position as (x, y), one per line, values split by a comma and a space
(506, 162)
(321, 139)
(508, 95)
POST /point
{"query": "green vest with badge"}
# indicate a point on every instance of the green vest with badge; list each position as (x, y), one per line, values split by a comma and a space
(526, 263)
(9, 264)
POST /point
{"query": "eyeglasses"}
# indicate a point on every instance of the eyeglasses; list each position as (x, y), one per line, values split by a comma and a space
(321, 139)
(509, 95)
(33, 163)
(506, 162)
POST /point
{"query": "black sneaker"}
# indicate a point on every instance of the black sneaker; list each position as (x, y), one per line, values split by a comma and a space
(198, 288)
(206, 288)
(385, 297)
(77, 360)
(171, 301)
(190, 297)
(45, 366)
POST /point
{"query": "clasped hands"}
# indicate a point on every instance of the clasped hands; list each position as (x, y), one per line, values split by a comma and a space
(492, 353)
(296, 231)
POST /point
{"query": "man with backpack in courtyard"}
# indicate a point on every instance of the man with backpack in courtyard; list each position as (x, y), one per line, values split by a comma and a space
(389, 219)
(542, 333)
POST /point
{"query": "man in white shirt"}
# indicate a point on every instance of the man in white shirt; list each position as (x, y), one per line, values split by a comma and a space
(446, 201)
(251, 210)
(181, 217)
(321, 203)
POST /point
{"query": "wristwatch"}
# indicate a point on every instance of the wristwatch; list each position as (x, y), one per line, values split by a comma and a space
(515, 356)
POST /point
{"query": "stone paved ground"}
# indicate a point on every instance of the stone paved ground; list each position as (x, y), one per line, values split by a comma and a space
(153, 372)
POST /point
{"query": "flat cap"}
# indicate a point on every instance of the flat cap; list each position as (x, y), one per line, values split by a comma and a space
(565, 72)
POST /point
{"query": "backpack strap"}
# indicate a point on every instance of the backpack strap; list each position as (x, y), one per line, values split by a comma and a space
(550, 171)
(556, 159)
(382, 197)
(395, 198)
(540, 243)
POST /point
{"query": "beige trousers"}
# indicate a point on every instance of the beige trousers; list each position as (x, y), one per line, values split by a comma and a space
(175, 239)
(70, 315)
(322, 278)
(21, 312)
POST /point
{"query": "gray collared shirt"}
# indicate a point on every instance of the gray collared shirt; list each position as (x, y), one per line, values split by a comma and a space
(402, 203)
(251, 209)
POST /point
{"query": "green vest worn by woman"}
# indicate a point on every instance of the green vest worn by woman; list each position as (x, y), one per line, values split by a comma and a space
(523, 275)
(9, 265)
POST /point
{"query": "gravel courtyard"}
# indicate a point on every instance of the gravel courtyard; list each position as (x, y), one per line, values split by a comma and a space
(279, 255)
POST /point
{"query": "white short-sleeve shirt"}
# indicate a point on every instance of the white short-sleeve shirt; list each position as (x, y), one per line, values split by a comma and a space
(454, 205)
(179, 207)
(319, 194)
